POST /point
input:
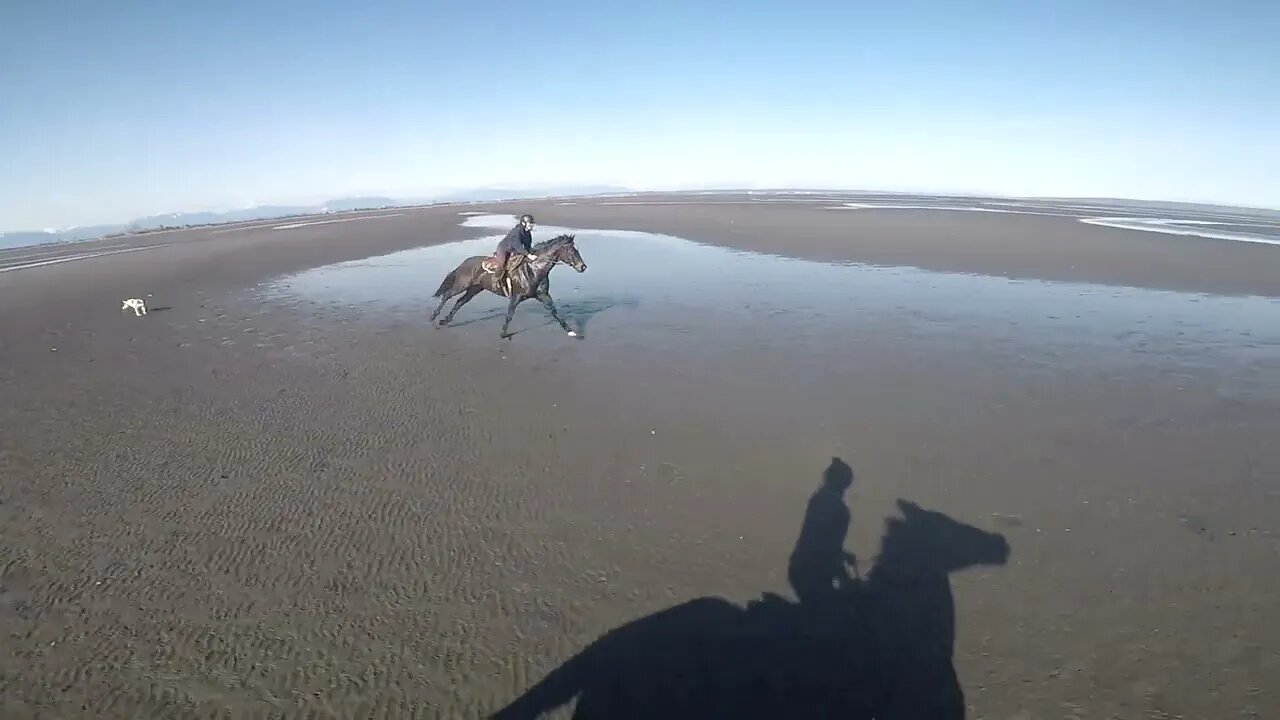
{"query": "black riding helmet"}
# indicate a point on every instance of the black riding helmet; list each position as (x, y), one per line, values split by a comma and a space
(526, 218)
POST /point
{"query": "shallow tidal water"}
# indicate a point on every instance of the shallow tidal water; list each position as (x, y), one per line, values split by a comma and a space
(662, 293)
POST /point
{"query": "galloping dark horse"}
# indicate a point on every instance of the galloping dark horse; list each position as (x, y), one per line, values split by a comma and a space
(531, 280)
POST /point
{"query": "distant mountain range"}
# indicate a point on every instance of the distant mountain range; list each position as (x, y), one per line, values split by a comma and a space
(271, 212)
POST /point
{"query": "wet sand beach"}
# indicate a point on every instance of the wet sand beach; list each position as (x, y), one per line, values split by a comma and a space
(805, 458)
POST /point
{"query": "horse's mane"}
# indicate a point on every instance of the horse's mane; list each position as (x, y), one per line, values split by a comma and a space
(555, 241)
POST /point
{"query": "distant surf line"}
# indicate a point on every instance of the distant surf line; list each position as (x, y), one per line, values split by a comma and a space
(759, 201)
(1168, 226)
(291, 226)
(54, 251)
(1178, 227)
(81, 256)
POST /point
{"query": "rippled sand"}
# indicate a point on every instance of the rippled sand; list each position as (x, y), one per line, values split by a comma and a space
(283, 494)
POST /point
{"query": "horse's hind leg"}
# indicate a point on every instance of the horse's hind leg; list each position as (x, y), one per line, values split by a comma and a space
(457, 286)
(511, 310)
(470, 293)
(443, 299)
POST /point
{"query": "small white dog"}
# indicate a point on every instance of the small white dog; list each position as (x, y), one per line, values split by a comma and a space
(139, 307)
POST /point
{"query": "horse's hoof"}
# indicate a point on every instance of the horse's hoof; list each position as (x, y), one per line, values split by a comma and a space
(573, 334)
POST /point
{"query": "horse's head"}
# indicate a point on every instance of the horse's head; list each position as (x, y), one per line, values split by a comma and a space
(561, 248)
(925, 542)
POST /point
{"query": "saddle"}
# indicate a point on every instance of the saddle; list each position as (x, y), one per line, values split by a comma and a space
(490, 264)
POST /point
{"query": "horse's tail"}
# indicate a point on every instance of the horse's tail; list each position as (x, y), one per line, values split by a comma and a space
(449, 280)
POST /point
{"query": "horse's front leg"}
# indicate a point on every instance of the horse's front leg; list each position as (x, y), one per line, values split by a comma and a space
(515, 300)
(544, 297)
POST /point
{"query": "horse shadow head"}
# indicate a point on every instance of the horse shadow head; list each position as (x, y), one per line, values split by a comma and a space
(926, 543)
(909, 607)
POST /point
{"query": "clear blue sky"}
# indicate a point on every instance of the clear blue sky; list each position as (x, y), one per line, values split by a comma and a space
(110, 110)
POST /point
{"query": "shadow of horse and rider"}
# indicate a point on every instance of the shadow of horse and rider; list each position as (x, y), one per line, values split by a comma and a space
(878, 646)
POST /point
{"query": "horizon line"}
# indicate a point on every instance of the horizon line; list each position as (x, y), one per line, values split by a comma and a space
(440, 198)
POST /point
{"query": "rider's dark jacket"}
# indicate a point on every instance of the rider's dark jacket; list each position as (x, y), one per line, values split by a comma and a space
(517, 240)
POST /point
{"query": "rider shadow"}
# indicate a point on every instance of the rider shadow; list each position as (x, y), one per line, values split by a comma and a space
(879, 647)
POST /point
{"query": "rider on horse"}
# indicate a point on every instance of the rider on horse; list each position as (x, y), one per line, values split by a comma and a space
(518, 239)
